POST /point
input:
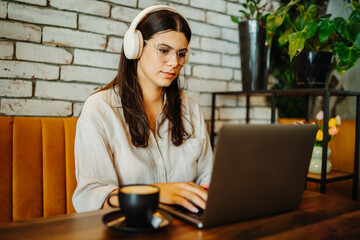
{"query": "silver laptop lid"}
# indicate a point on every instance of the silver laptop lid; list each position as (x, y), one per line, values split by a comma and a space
(258, 170)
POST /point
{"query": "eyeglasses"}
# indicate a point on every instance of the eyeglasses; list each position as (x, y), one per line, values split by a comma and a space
(165, 53)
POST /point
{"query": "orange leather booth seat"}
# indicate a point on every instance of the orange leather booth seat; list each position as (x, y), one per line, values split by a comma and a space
(37, 173)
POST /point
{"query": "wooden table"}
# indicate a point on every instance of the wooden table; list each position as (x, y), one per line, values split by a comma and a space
(319, 217)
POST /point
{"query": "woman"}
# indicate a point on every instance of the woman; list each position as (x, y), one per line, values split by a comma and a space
(141, 128)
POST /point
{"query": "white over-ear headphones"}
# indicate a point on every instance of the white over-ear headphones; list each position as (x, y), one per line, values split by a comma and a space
(133, 39)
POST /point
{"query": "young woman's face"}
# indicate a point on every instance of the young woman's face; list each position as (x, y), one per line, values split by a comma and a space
(155, 72)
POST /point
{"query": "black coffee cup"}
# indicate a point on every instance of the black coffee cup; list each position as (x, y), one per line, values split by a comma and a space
(138, 203)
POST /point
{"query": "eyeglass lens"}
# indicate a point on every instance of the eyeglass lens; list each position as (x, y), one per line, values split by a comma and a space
(165, 53)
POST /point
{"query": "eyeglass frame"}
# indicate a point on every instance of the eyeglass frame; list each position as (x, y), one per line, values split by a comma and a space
(156, 46)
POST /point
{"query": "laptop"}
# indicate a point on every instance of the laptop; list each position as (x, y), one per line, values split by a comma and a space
(259, 170)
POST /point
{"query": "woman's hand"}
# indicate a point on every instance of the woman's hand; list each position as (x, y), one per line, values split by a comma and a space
(183, 194)
(114, 200)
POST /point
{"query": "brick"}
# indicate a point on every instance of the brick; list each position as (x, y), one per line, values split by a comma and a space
(261, 113)
(189, 12)
(185, 2)
(73, 38)
(20, 31)
(147, 3)
(15, 88)
(29, 70)
(206, 58)
(35, 2)
(203, 29)
(226, 101)
(6, 50)
(218, 6)
(206, 111)
(230, 61)
(114, 44)
(232, 113)
(233, 86)
(101, 25)
(212, 72)
(64, 91)
(41, 15)
(86, 74)
(195, 42)
(219, 46)
(3, 9)
(259, 101)
(206, 86)
(231, 35)
(237, 74)
(77, 107)
(203, 99)
(84, 6)
(42, 53)
(129, 3)
(34, 107)
(124, 13)
(96, 59)
(233, 9)
(220, 19)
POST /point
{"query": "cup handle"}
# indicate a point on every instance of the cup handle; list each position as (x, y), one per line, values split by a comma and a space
(108, 200)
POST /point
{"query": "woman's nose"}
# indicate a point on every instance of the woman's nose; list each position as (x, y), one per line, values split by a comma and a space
(173, 61)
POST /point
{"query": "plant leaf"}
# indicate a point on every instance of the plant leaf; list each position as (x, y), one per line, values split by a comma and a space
(284, 38)
(235, 19)
(326, 28)
(345, 29)
(310, 29)
(296, 43)
(348, 57)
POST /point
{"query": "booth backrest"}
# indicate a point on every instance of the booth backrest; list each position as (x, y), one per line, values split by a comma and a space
(37, 173)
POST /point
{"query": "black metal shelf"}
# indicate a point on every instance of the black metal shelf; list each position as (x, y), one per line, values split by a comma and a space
(326, 94)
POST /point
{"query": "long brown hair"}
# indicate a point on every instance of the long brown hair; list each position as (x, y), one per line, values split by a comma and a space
(130, 90)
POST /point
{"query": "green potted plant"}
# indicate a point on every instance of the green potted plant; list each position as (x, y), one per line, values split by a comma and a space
(254, 53)
(311, 37)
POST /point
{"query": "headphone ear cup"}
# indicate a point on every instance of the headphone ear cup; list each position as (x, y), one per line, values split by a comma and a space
(140, 44)
(133, 44)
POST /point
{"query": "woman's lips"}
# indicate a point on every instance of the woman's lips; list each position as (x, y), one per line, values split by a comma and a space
(168, 74)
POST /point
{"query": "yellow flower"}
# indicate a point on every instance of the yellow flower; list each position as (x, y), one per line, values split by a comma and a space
(319, 135)
(332, 122)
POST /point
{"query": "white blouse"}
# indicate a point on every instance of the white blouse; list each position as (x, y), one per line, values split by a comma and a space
(105, 157)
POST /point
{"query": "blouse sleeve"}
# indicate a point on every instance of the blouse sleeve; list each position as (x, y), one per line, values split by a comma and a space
(94, 169)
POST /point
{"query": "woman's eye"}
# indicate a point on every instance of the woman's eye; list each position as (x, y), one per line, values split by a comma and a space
(164, 50)
(182, 54)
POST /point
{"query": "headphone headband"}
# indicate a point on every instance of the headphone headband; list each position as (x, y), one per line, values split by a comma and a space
(149, 10)
(133, 40)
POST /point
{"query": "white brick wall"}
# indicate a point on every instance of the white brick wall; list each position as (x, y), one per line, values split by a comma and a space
(86, 74)
(42, 16)
(3, 9)
(20, 31)
(41, 53)
(64, 91)
(15, 88)
(124, 13)
(34, 107)
(212, 72)
(73, 38)
(54, 53)
(96, 59)
(17, 69)
(6, 50)
(84, 6)
(101, 25)
(36, 2)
